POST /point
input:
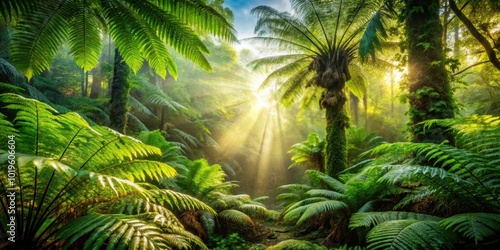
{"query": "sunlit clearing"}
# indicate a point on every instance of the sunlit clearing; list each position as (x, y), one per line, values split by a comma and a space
(257, 133)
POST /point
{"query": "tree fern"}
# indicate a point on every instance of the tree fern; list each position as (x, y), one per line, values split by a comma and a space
(450, 176)
(68, 169)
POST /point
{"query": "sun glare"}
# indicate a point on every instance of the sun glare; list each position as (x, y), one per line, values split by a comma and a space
(263, 100)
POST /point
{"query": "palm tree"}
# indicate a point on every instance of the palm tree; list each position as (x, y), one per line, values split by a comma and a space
(319, 41)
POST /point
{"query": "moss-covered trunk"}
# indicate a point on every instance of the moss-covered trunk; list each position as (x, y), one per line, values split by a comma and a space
(336, 142)
(120, 91)
(430, 94)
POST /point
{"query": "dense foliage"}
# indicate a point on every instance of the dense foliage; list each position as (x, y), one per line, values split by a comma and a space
(140, 125)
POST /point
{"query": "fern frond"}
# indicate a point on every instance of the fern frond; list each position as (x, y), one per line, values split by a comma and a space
(254, 209)
(331, 206)
(237, 217)
(409, 235)
(38, 37)
(371, 219)
(84, 36)
(333, 183)
(324, 193)
(119, 230)
(476, 226)
(179, 201)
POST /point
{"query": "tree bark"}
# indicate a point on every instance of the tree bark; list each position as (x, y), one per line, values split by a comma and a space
(336, 142)
(475, 33)
(354, 106)
(96, 82)
(430, 94)
(120, 91)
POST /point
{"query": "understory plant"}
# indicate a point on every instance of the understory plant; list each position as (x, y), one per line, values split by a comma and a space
(72, 185)
(207, 182)
(327, 203)
(453, 199)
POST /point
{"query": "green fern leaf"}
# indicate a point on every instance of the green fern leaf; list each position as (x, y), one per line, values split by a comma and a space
(331, 206)
(238, 217)
(409, 235)
(371, 219)
(476, 226)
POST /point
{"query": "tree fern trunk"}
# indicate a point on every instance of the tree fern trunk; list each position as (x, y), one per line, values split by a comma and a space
(430, 94)
(120, 90)
(336, 143)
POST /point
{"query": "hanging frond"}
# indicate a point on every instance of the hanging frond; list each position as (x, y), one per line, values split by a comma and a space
(84, 36)
(199, 15)
(38, 36)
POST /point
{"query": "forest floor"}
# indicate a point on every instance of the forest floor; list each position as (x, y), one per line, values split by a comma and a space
(274, 234)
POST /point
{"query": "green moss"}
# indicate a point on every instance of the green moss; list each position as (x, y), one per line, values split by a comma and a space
(336, 141)
(296, 245)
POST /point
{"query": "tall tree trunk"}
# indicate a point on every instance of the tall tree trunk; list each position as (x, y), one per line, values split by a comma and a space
(82, 83)
(456, 42)
(354, 107)
(336, 142)
(96, 82)
(430, 94)
(120, 91)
